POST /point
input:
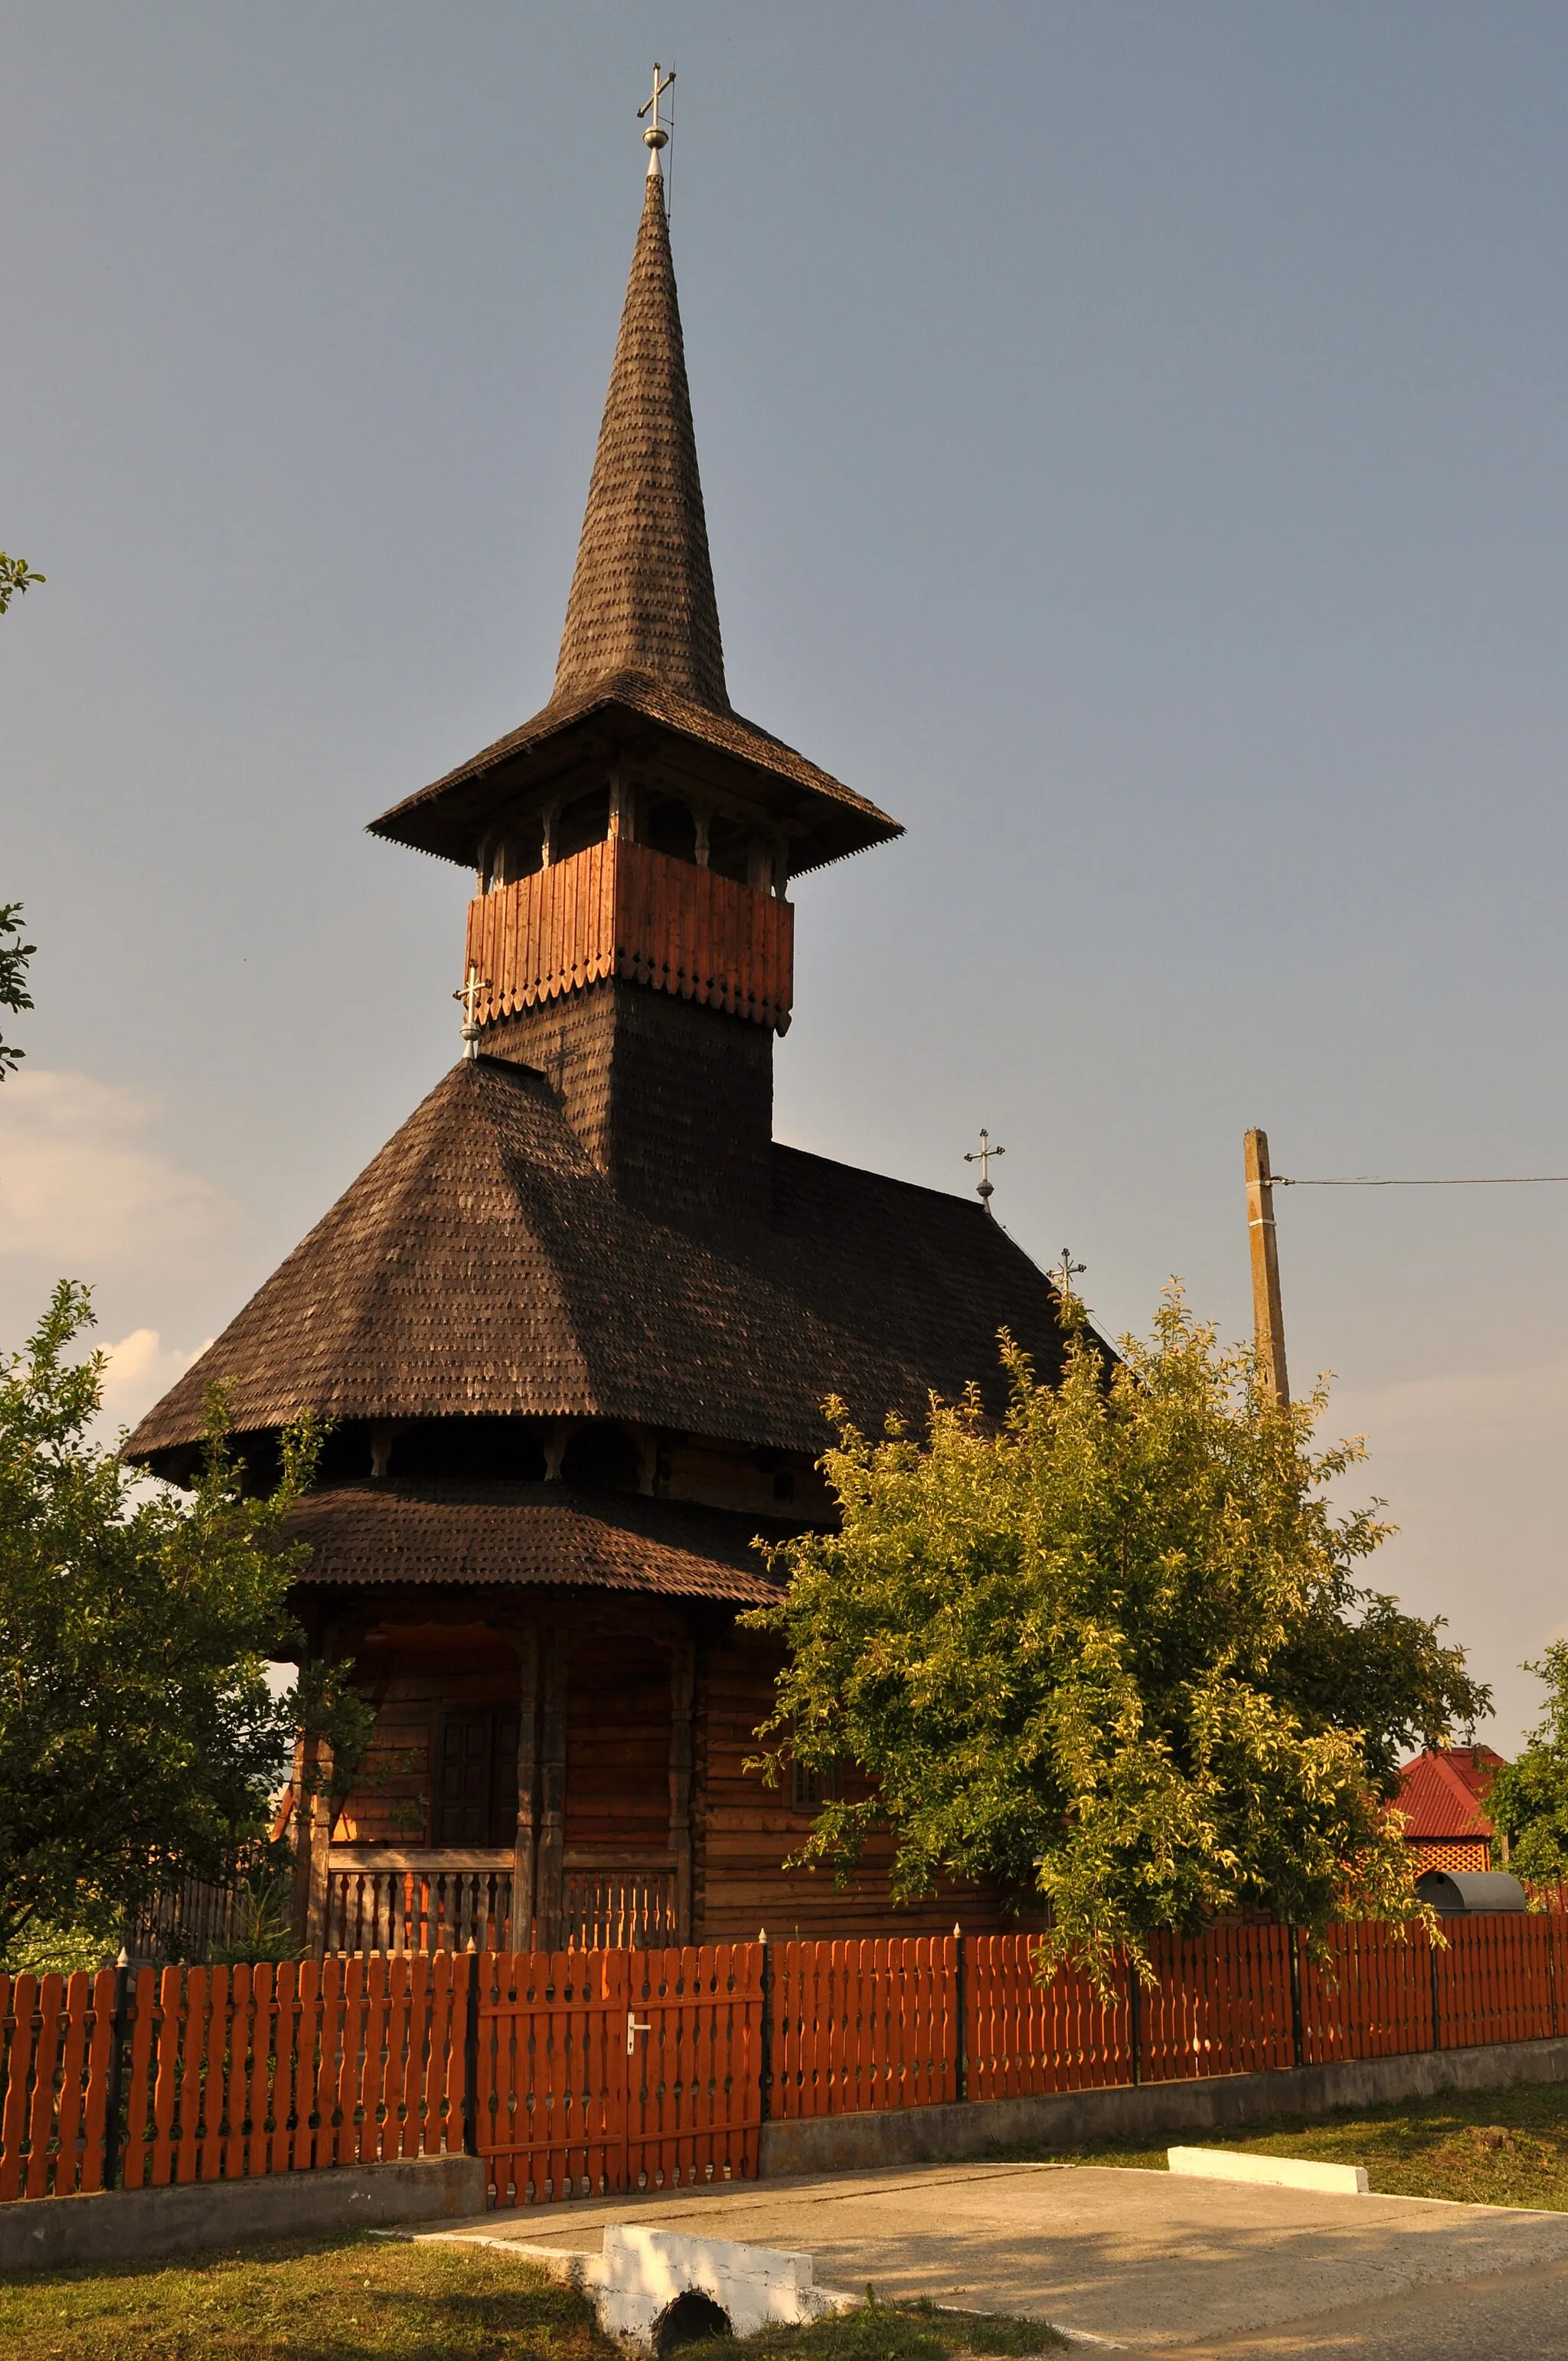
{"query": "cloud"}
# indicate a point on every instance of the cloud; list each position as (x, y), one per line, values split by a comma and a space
(79, 1185)
(141, 1369)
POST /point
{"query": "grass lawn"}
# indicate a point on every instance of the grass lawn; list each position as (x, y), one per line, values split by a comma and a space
(305, 2302)
(905, 2332)
(366, 2296)
(1487, 2147)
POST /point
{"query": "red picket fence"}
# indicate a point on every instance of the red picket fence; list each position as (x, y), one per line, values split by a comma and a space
(57, 2034)
(225, 2073)
(1371, 1997)
(857, 2025)
(1498, 1979)
(586, 2073)
(854, 2027)
(1220, 2005)
(1022, 2037)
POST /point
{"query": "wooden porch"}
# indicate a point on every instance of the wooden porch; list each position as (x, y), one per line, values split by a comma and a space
(511, 1797)
(631, 1822)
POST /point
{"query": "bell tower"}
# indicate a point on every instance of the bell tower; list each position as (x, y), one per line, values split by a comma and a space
(632, 934)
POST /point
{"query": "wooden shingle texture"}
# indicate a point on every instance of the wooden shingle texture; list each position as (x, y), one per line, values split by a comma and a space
(530, 1533)
(448, 817)
(642, 597)
(483, 1264)
(641, 660)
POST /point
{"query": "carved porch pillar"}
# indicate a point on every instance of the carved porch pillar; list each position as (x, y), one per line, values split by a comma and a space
(312, 1837)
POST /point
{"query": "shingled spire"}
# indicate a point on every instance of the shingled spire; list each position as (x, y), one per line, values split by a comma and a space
(643, 593)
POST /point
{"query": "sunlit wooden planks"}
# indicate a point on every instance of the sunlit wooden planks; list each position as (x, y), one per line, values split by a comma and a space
(694, 2083)
(863, 2025)
(621, 908)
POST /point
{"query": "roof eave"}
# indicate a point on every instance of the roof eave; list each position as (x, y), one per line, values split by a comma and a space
(445, 820)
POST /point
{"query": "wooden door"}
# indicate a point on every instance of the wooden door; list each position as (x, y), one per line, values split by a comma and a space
(476, 1781)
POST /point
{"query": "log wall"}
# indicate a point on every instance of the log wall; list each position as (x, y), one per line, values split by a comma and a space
(617, 1746)
(745, 1831)
(618, 1795)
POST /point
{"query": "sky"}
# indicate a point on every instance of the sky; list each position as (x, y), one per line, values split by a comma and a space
(1133, 449)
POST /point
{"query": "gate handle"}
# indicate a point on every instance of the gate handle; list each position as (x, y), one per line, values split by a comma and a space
(632, 2030)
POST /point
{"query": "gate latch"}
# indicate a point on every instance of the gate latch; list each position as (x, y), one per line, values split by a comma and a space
(632, 2030)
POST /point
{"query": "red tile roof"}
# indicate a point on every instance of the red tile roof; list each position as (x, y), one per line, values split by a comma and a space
(1441, 1792)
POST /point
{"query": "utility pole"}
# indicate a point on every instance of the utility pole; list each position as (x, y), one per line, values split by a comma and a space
(1268, 1312)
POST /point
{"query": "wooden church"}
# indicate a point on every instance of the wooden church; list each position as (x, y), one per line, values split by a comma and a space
(574, 1327)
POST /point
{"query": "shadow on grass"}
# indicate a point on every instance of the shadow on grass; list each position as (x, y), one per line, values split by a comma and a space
(878, 2332)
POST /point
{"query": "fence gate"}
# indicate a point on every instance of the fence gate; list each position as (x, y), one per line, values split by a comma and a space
(601, 2071)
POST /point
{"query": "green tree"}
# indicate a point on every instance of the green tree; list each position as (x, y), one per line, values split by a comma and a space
(140, 1738)
(15, 576)
(13, 994)
(1528, 1799)
(1112, 1648)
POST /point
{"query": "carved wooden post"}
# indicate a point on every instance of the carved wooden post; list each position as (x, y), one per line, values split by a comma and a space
(683, 1680)
(300, 1897)
(313, 1839)
(527, 1841)
(549, 1884)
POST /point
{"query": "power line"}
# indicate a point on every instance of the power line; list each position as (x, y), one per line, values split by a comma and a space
(1491, 1181)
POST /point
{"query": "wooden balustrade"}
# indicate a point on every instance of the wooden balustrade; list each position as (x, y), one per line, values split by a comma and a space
(620, 908)
(616, 1905)
(382, 1900)
(379, 1899)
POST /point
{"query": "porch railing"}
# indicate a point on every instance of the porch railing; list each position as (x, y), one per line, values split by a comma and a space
(614, 1903)
(192, 1918)
(382, 1900)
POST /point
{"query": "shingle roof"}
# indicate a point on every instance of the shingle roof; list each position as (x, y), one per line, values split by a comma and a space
(450, 817)
(482, 1264)
(641, 597)
(451, 1532)
(640, 653)
(1441, 1792)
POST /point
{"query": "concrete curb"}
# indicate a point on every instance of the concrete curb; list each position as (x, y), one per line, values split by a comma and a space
(1075, 2118)
(42, 2233)
(1267, 2171)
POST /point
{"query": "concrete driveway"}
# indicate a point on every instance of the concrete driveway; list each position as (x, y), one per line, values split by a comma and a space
(1142, 2260)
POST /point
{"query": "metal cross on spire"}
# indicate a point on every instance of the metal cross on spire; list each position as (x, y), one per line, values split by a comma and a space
(985, 1187)
(656, 135)
(469, 996)
(1065, 1272)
